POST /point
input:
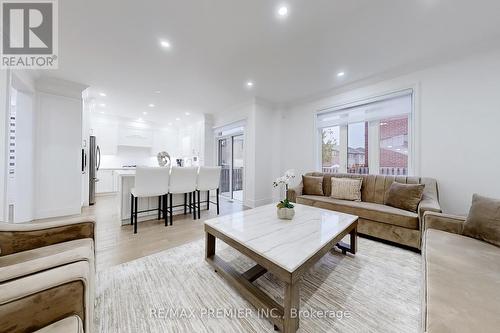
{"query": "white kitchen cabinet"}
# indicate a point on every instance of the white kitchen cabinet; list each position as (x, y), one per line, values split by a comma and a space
(165, 140)
(107, 137)
(106, 183)
(134, 137)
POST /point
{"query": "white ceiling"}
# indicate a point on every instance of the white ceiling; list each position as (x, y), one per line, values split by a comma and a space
(217, 45)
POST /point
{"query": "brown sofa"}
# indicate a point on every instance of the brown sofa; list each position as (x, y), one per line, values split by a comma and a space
(461, 289)
(47, 273)
(375, 218)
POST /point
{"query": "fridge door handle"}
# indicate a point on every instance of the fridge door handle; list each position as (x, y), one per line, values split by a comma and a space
(98, 157)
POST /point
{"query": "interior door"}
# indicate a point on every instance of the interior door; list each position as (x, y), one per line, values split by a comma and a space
(225, 160)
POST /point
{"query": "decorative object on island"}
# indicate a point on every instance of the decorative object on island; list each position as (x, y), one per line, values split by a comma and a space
(163, 159)
(285, 208)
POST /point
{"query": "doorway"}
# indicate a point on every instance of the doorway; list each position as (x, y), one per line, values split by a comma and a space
(231, 158)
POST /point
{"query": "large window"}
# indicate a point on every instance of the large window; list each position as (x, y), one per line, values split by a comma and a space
(368, 137)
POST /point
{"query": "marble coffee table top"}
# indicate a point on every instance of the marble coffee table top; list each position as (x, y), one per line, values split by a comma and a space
(286, 243)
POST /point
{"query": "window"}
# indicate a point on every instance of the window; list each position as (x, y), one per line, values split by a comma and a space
(330, 149)
(372, 136)
(357, 148)
(394, 146)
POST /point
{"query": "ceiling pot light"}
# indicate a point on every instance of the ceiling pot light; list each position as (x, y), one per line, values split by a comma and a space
(102, 94)
(157, 92)
(144, 113)
(187, 113)
(165, 44)
(102, 105)
(340, 74)
(151, 105)
(249, 84)
(177, 118)
(282, 11)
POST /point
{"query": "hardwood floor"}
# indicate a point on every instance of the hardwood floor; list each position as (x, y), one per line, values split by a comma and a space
(116, 244)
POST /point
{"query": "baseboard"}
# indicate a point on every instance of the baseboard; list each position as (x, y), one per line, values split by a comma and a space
(44, 214)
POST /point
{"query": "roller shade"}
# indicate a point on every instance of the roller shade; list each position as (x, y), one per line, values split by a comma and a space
(384, 107)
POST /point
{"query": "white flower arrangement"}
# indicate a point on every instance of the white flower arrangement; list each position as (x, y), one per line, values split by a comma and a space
(285, 179)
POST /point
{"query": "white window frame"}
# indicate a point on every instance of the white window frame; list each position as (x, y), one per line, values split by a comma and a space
(373, 132)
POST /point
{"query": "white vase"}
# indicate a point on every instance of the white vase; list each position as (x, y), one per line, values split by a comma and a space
(285, 213)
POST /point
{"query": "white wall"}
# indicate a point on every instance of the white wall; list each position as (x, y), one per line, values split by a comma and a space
(458, 119)
(262, 163)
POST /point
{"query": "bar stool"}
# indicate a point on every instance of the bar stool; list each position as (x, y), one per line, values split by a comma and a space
(149, 182)
(183, 181)
(208, 179)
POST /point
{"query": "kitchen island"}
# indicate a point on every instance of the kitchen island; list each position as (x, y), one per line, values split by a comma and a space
(127, 182)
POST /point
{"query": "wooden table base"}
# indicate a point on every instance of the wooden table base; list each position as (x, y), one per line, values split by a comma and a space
(284, 317)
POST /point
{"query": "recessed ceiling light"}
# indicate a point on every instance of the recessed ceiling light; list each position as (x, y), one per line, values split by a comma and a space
(151, 105)
(250, 84)
(165, 44)
(102, 112)
(283, 11)
(144, 113)
(102, 94)
(157, 92)
(177, 118)
(102, 105)
(187, 113)
(340, 74)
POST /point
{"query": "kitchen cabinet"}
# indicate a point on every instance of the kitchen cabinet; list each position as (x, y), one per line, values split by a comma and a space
(134, 137)
(164, 140)
(107, 137)
(107, 181)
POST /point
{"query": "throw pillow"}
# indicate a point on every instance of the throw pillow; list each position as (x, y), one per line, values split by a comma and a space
(347, 188)
(405, 196)
(312, 185)
(483, 221)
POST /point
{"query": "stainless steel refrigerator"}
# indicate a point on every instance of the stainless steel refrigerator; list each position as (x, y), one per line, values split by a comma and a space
(94, 163)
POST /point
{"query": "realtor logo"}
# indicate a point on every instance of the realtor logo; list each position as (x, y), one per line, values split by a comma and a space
(29, 34)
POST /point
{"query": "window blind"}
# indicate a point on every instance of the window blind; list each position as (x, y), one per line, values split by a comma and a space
(383, 107)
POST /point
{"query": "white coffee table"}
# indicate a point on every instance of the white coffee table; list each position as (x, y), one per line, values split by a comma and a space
(287, 249)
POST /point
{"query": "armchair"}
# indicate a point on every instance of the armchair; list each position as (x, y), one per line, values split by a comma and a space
(47, 276)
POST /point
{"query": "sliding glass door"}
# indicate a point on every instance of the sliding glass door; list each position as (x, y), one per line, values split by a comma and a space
(231, 159)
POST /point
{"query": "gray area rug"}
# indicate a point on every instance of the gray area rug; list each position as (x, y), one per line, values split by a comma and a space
(377, 290)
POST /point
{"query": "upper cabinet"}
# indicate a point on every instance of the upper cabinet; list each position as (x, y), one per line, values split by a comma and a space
(107, 136)
(165, 140)
(135, 137)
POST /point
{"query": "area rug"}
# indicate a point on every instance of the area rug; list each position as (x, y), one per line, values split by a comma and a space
(377, 290)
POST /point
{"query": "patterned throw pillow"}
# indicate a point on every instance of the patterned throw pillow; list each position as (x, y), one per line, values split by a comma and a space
(347, 188)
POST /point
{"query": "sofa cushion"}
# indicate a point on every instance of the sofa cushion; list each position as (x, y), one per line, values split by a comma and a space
(71, 324)
(483, 221)
(461, 283)
(24, 263)
(312, 185)
(366, 210)
(346, 188)
(405, 196)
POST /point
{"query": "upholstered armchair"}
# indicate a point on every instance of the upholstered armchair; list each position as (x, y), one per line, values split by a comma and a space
(47, 273)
